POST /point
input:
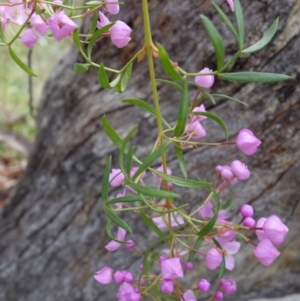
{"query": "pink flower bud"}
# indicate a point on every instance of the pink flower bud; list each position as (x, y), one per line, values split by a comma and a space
(226, 174)
(195, 129)
(119, 277)
(29, 38)
(275, 230)
(161, 258)
(219, 295)
(120, 34)
(188, 296)
(240, 170)
(231, 4)
(229, 286)
(130, 244)
(201, 108)
(246, 210)
(167, 286)
(249, 222)
(260, 233)
(103, 20)
(205, 81)
(203, 285)
(116, 177)
(247, 142)
(61, 25)
(171, 268)
(38, 24)
(112, 8)
(189, 265)
(127, 276)
(265, 252)
(104, 276)
(213, 259)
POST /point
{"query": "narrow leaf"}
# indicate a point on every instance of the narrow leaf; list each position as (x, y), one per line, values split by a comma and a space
(217, 119)
(81, 68)
(240, 22)
(216, 40)
(153, 192)
(129, 161)
(166, 63)
(93, 24)
(209, 226)
(102, 77)
(126, 78)
(211, 98)
(168, 82)
(196, 246)
(229, 97)
(20, 63)
(105, 181)
(227, 204)
(125, 199)
(183, 111)
(267, 37)
(166, 296)
(148, 221)
(180, 158)
(144, 106)
(254, 77)
(76, 39)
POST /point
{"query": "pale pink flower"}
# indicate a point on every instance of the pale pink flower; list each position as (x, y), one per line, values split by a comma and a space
(231, 248)
(104, 276)
(128, 293)
(246, 210)
(112, 8)
(114, 245)
(200, 108)
(171, 268)
(229, 286)
(213, 259)
(247, 142)
(249, 222)
(265, 252)
(227, 174)
(206, 213)
(189, 296)
(275, 230)
(162, 222)
(195, 129)
(103, 20)
(240, 170)
(205, 81)
(29, 38)
(116, 177)
(259, 224)
(231, 4)
(16, 13)
(120, 34)
(61, 25)
(219, 295)
(38, 24)
(203, 285)
(167, 286)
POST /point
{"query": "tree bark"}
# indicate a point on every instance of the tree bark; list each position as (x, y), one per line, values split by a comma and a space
(53, 229)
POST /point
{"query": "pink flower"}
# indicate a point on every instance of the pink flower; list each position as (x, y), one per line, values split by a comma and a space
(116, 177)
(213, 259)
(167, 286)
(104, 276)
(203, 285)
(162, 223)
(119, 277)
(229, 286)
(275, 230)
(195, 129)
(219, 295)
(205, 81)
(188, 296)
(103, 20)
(120, 34)
(207, 213)
(231, 248)
(128, 293)
(61, 25)
(16, 13)
(246, 210)
(231, 4)
(38, 24)
(114, 245)
(130, 244)
(260, 233)
(189, 266)
(247, 142)
(112, 8)
(29, 38)
(265, 252)
(240, 170)
(171, 268)
(249, 222)
(227, 174)
(201, 108)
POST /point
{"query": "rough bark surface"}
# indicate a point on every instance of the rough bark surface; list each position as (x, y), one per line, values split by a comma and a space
(52, 231)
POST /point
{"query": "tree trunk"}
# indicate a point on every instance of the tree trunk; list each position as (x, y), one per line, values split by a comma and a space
(53, 229)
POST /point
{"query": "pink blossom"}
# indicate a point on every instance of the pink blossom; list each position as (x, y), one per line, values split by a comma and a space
(119, 277)
(231, 4)
(240, 170)
(246, 210)
(112, 8)
(219, 295)
(189, 296)
(265, 252)
(3, 19)
(171, 268)
(229, 235)
(249, 222)
(203, 285)
(104, 276)
(128, 293)
(227, 174)
(16, 13)
(275, 230)
(130, 244)
(247, 142)
(231, 248)
(103, 20)
(38, 24)
(229, 286)
(206, 213)
(162, 222)
(167, 286)
(201, 108)
(195, 129)
(259, 224)
(189, 266)
(61, 25)
(116, 177)
(114, 245)
(120, 34)
(29, 38)
(213, 259)
(205, 81)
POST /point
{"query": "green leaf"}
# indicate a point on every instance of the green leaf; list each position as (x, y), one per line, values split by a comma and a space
(166, 296)
(196, 246)
(129, 161)
(211, 98)
(226, 20)
(148, 221)
(166, 63)
(102, 77)
(125, 199)
(227, 204)
(168, 82)
(150, 159)
(105, 181)
(81, 68)
(232, 98)
(115, 219)
(216, 40)
(254, 77)
(94, 3)
(209, 226)
(153, 192)
(96, 36)
(107, 228)
(2, 36)
(180, 158)
(144, 106)
(123, 83)
(115, 81)
(267, 37)
(181, 182)
(216, 119)
(20, 63)
(76, 39)
(240, 22)
(93, 24)
(183, 111)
